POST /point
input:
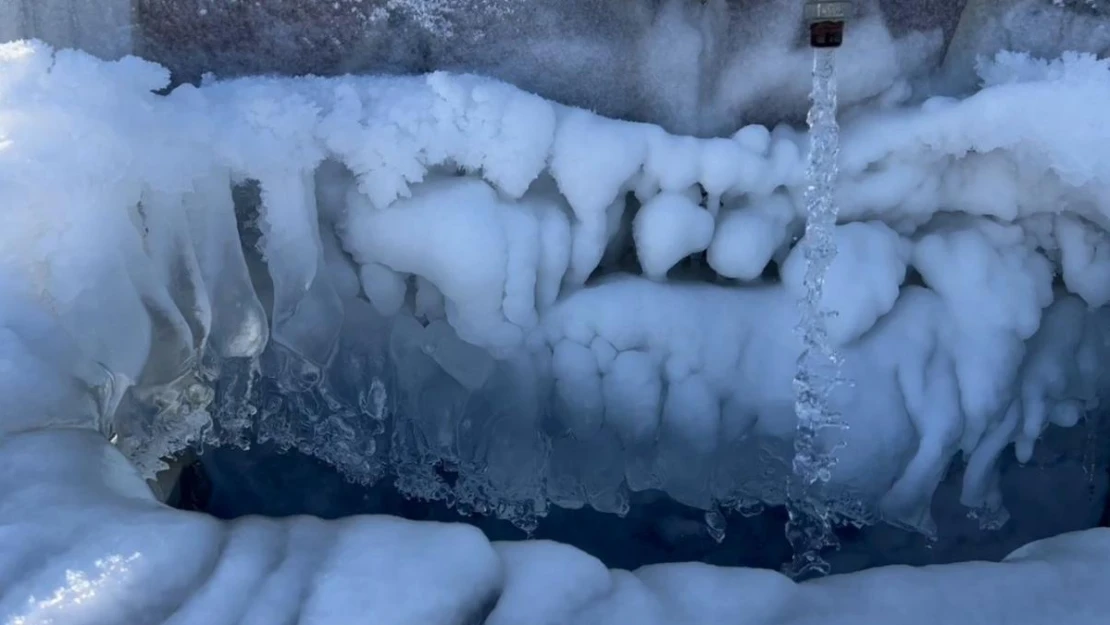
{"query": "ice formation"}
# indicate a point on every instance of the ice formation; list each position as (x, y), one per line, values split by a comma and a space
(86, 543)
(448, 266)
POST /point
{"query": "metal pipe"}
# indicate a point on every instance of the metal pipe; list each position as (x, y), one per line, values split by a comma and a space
(826, 19)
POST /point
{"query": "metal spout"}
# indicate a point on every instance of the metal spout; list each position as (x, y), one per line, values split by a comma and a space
(825, 19)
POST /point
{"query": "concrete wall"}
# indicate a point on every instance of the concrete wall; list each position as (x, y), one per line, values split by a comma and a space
(1043, 28)
(101, 27)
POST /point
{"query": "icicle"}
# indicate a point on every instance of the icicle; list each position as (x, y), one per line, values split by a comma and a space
(308, 313)
(175, 263)
(238, 327)
(167, 410)
(171, 332)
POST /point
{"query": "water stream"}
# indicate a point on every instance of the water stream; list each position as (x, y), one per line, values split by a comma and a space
(819, 365)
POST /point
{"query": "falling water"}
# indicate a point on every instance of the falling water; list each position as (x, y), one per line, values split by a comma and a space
(818, 373)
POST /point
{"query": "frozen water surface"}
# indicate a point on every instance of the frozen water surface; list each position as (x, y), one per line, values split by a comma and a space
(506, 282)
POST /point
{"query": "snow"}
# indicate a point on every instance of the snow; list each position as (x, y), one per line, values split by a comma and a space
(449, 224)
(547, 583)
(1085, 258)
(463, 203)
(462, 241)
(258, 570)
(863, 282)
(255, 570)
(747, 237)
(591, 160)
(669, 228)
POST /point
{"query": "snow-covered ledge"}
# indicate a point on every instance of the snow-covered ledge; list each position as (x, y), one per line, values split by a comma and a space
(85, 543)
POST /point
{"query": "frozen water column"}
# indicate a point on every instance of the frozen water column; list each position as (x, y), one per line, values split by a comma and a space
(99, 27)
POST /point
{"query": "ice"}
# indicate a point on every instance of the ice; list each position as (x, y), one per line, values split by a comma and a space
(519, 364)
(305, 303)
(592, 160)
(863, 281)
(689, 429)
(35, 355)
(254, 571)
(988, 345)
(462, 221)
(393, 583)
(448, 265)
(239, 328)
(819, 364)
(547, 583)
(748, 236)
(667, 229)
(1084, 256)
(259, 570)
(386, 289)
